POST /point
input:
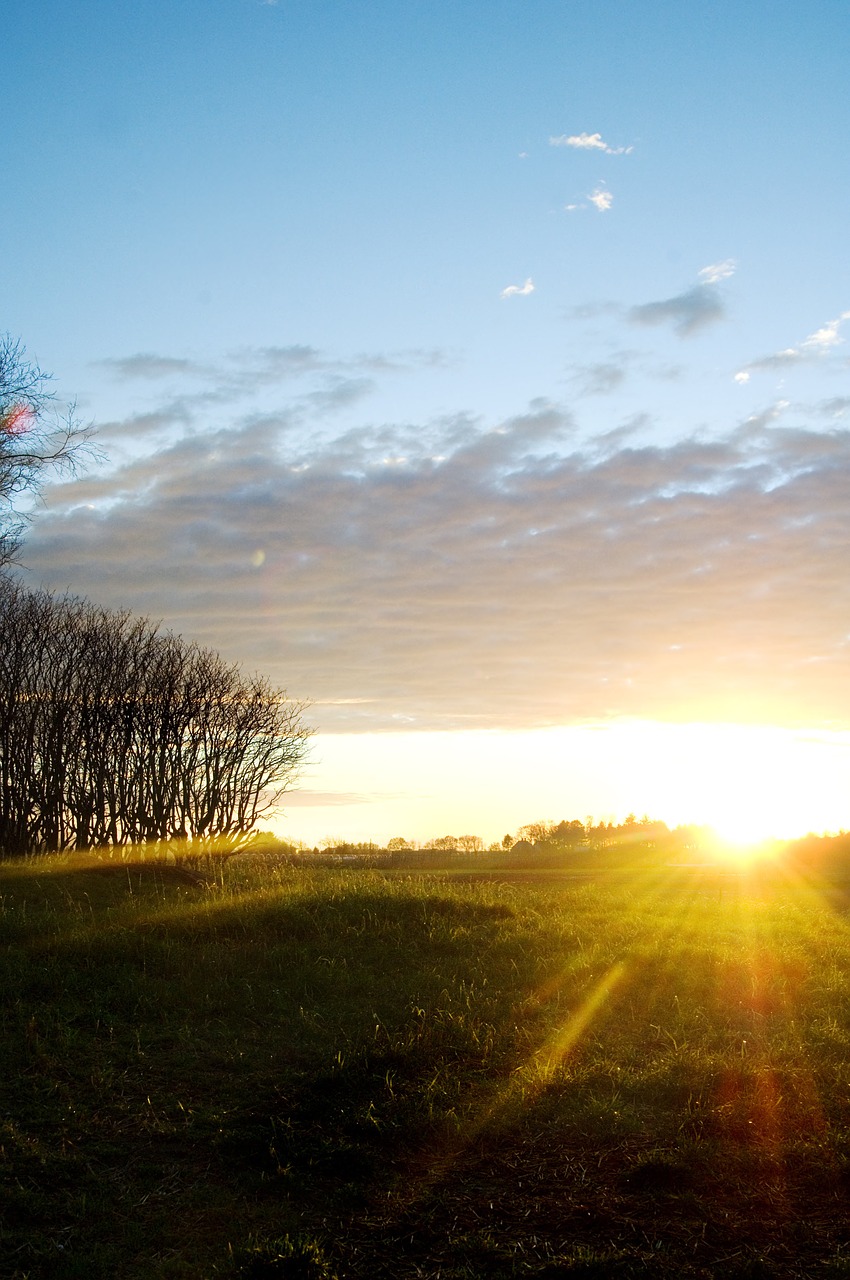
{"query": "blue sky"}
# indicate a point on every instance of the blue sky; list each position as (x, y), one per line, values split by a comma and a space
(465, 367)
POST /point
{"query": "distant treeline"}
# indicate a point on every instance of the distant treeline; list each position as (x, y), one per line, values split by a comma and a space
(541, 838)
(113, 733)
(643, 841)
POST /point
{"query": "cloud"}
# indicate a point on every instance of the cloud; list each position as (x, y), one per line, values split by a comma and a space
(463, 576)
(718, 271)
(601, 378)
(309, 799)
(243, 369)
(587, 142)
(318, 385)
(835, 407)
(607, 376)
(148, 366)
(601, 199)
(817, 347)
(827, 336)
(779, 360)
(141, 425)
(518, 290)
(338, 392)
(687, 312)
(694, 309)
(283, 362)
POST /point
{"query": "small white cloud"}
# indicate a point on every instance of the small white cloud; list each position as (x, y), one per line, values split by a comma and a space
(742, 377)
(523, 155)
(587, 142)
(570, 208)
(827, 336)
(518, 290)
(581, 141)
(601, 198)
(718, 271)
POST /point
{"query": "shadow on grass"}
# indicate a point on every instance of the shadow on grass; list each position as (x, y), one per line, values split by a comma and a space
(417, 1077)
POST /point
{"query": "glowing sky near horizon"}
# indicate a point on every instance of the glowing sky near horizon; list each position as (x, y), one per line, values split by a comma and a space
(479, 372)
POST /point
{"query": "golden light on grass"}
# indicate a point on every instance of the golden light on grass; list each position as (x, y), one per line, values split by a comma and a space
(568, 1035)
(606, 1042)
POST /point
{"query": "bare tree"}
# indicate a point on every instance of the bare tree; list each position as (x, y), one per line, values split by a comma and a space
(35, 438)
(113, 733)
(535, 832)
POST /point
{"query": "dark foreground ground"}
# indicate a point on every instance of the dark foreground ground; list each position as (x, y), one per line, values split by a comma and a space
(292, 1073)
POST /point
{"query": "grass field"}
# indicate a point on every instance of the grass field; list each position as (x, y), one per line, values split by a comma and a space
(286, 1072)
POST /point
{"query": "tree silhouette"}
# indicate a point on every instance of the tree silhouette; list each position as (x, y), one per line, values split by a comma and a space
(112, 732)
(35, 438)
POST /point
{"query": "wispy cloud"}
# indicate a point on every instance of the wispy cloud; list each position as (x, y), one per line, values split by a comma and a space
(587, 142)
(816, 347)
(270, 364)
(318, 384)
(694, 309)
(338, 392)
(606, 376)
(601, 378)
(687, 312)
(308, 799)
(147, 366)
(834, 407)
(139, 426)
(518, 290)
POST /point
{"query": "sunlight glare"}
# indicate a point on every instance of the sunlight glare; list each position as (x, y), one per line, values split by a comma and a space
(752, 784)
(747, 782)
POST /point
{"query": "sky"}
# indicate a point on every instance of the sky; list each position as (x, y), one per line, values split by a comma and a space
(479, 372)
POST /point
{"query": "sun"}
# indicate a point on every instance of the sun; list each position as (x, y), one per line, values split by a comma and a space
(752, 783)
(742, 828)
(740, 852)
(742, 833)
(752, 795)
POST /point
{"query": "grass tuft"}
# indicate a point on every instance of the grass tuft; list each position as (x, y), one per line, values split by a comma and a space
(289, 1258)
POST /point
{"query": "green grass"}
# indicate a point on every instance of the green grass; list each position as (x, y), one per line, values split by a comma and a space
(296, 1073)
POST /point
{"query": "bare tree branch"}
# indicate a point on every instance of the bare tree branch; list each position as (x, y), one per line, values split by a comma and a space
(36, 438)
